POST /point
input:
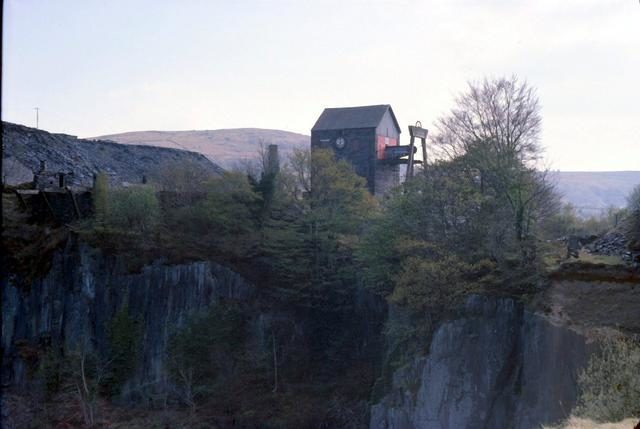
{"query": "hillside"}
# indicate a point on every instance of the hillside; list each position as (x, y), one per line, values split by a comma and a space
(226, 147)
(24, 148)
(593, 191)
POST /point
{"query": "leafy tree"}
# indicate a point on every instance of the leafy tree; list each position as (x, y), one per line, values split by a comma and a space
(214, 337)
(231, 205)
(443, 210)
(313, 226)
(339, 205)
(633, 199)
(101, 198)
(124, 337)
(134, 209)
(339, 198)
(223, 220)
(563, 223)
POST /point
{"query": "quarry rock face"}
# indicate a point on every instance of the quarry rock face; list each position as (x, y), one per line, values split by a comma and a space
(75, 302)
(496, 366)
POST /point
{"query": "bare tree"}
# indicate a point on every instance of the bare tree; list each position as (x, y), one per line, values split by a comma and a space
(501, 116)
(495, 129)
(255, 166)
(88, 371)
(299, 164)
(182, 176)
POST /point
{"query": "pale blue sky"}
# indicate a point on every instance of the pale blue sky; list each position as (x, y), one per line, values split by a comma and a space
(100, 67)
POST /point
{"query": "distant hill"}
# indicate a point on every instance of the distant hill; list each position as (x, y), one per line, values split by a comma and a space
(24, 148)
(225, 147)
(592, 191)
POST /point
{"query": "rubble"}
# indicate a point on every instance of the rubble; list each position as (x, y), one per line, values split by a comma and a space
(28, 152)
(616, 243)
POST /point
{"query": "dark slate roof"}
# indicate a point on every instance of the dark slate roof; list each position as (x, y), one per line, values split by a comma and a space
(341, 118)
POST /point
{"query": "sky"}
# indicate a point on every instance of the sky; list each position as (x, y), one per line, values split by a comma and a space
(96, 67)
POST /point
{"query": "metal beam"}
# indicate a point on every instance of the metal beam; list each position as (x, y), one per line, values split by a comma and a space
(417, 131)
(75, 203)
(410, 164)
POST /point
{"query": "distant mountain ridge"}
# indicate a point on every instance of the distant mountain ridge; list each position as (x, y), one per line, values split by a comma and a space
(591, 192)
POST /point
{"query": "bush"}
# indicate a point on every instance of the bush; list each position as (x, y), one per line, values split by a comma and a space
(200, 352)
(633, 206)
(230, 206)
(133, 209)
(124, 337)
(101, 198)
(633, 200)
(610, 385)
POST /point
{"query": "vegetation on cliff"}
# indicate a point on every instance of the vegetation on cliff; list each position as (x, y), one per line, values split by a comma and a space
(472, 222)
(477, 220)
(610, 384)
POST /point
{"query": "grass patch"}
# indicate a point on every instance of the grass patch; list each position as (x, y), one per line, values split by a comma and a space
(599, 259)
(578, 423)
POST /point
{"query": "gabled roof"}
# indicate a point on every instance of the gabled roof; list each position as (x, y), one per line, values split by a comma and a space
(340, 118)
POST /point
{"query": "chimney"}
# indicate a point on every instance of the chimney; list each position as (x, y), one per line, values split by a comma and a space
(273, 161)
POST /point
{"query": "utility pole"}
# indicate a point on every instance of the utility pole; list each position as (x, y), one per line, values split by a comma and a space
(37, 109)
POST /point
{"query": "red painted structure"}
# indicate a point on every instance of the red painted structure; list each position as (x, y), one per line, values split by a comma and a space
(381, 143)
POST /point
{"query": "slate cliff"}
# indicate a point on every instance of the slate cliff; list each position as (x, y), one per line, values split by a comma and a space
(82, 292)
(496, 366)
(74, 304)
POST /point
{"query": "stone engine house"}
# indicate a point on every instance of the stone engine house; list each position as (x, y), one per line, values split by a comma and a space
(360, 135)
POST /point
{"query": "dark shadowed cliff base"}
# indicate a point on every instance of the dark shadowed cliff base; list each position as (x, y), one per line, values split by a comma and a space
(498, 363)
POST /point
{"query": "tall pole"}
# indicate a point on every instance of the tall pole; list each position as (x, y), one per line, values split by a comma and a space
(37, 109)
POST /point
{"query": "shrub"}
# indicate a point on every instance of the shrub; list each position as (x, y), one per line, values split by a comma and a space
(214, 338)
(101, 198)
(133, 209)
(633, 200)
(124, 337)
(230, 205)
(610, 384)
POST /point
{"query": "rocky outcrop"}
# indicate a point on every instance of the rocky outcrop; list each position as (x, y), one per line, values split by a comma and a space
(74, 303)
(496, 366)
(24, 148)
